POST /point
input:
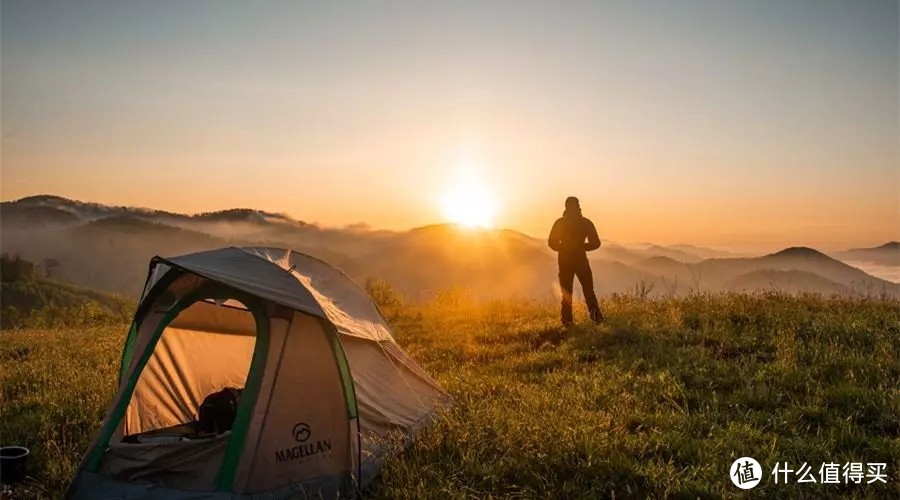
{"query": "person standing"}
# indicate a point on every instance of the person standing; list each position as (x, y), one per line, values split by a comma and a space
(572, 237)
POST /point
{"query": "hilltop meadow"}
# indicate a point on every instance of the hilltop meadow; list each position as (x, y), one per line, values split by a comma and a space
(195, 195)
(658, 401)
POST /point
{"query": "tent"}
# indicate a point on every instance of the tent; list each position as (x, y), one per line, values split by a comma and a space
(325, 392)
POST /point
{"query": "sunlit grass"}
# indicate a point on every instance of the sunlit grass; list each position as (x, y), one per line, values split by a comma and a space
(55, 388)
(656, 402)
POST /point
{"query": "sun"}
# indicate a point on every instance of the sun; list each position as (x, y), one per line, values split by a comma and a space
(470, 204)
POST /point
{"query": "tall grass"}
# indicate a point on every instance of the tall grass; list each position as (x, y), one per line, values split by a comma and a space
(658, 401)
(54, 389)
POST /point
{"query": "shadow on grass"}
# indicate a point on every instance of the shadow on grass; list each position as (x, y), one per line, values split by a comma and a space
(552, 336)
(609, 341)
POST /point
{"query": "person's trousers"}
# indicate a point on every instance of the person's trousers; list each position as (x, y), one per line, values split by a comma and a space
(570, 267)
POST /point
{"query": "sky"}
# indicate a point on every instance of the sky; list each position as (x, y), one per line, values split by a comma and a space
(723, 123)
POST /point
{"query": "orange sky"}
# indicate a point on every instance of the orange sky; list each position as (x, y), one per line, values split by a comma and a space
(749, 126)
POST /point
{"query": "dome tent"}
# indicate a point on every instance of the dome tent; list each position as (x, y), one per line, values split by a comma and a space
(325, 391)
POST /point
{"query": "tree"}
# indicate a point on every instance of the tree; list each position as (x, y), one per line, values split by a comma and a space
(51, 268)
(15, 268)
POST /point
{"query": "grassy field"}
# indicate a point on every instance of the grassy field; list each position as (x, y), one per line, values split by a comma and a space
(659, 401)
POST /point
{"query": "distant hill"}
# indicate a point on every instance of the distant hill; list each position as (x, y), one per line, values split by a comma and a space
(245, 215)
(813, 261)
(785, 281)
(121, 247)
(702, 252)
(672, 253)
(44, 216)
(105, 254)
(79, 211)
(108, 248)
(631, 255)
(29, 300)
(628, 255)
(884, 255)
(82, 210)
(718, 274)
(131, 224)
(661, 263)
(439, 257)
(618, 253)
(235, 225)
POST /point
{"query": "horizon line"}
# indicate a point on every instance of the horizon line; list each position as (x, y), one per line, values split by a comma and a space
(371, 228)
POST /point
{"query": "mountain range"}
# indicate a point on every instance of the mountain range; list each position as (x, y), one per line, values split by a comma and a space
(108, 248)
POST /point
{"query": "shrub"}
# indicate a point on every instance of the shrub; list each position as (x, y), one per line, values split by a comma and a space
(383, 293)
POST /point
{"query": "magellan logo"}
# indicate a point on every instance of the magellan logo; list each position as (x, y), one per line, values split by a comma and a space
(302, 433)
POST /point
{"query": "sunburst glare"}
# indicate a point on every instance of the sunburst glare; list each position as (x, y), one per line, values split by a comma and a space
(469, 203)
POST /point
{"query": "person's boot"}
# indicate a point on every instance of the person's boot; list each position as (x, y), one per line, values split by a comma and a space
(566, 315)
(596, 315)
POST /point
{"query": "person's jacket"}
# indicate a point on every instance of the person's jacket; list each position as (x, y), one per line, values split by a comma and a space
(573, 234)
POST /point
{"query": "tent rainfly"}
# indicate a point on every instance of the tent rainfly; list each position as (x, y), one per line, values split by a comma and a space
(324, 393)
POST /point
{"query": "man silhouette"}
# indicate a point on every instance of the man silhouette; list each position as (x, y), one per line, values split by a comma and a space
(572, 237)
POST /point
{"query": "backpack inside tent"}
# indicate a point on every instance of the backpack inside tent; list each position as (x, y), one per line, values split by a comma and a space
(254, 372)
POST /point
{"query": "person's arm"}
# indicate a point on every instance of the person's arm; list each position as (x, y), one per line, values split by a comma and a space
(554, 240)
(593, 240)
